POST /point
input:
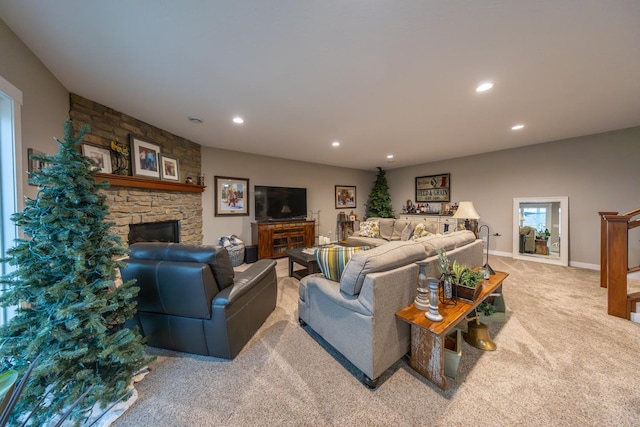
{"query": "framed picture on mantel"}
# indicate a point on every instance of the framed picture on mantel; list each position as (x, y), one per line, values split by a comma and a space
(433, 188)
(145, 158)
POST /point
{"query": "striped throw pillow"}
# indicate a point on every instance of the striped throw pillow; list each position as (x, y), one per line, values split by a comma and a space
(332, 260)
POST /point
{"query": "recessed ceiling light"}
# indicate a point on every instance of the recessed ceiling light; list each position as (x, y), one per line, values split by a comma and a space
(336, 143)
(238, 120)
(517, 127)
(389, 156)
(194, 119)
(483, 87)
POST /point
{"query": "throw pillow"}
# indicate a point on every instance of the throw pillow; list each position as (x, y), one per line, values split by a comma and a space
(332, 260)
(406, 232)
(370, 229)
(420, 231)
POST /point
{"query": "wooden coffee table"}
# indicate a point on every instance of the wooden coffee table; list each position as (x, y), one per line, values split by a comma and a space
(427, 337)
(308, 261)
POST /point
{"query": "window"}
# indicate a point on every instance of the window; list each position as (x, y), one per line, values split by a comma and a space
(535, 216)
(10, 172)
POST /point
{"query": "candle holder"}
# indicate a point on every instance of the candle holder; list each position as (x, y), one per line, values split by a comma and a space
(433, 314)
(421, 302)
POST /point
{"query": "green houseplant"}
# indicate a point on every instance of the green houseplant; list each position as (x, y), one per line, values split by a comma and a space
(543, 233)
(466, 281)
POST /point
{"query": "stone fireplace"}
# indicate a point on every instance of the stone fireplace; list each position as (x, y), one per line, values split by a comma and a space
(137, 206)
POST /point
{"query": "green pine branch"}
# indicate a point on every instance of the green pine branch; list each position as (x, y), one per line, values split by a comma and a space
(69, 310)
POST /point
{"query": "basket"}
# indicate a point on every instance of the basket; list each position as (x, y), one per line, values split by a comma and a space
(236, 253)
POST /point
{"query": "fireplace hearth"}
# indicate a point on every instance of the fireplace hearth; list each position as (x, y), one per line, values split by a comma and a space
(160, 231)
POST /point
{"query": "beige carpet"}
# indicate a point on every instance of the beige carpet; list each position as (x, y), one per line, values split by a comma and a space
(561, 360)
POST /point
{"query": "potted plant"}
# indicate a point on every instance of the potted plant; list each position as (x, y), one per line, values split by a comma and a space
(543, 233)
(467, 281)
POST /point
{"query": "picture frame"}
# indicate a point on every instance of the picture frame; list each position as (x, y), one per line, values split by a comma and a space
(34, 165)
(144, 158)
(101, 157)
(169, 168)
(231, 196)
(433, 188)
(345, 196)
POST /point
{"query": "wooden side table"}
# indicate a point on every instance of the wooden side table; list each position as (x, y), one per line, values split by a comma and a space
(427, 337)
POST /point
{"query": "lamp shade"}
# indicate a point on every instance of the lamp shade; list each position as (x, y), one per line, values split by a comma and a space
(466, 211)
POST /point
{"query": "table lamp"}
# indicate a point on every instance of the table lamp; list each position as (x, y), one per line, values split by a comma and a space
(467, 212)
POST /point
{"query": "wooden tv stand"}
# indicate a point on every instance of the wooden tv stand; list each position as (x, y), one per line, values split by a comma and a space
(273, 238)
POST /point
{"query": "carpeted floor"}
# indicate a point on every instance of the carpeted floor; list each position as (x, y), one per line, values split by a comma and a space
(561, 361)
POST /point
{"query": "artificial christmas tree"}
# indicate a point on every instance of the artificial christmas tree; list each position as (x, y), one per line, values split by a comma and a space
(379, 203)
(70, 312)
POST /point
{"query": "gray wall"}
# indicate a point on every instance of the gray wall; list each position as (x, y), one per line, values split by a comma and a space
(45, 101)
(597, 172)
(319, 180)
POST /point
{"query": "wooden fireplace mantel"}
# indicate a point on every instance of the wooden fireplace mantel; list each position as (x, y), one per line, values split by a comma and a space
(148, 183)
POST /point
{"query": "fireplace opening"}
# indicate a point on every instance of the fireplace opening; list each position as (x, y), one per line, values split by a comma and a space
(161, 231)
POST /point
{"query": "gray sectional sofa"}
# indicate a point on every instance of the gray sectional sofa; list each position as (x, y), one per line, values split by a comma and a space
(461, 245)
(357, 314)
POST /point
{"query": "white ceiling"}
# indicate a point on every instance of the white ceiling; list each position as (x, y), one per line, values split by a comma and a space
(381, 76)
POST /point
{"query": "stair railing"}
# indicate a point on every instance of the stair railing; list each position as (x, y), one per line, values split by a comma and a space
(614, 261)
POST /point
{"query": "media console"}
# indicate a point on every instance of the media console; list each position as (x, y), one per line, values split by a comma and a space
(273, 238)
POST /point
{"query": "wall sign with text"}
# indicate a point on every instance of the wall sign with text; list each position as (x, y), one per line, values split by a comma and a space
(433, 188)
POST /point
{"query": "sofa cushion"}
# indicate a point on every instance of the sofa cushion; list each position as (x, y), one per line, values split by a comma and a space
(370, 228)
(365, 241)
(383, 258)
(398, 227)
(332, 260)
(386, 227)
(447, 242)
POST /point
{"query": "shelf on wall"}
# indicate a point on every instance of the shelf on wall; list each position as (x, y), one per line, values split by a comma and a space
(148, 183)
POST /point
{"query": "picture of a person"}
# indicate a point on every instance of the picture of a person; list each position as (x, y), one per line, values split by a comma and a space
(151, 161)
(143, 159)
(231, 196)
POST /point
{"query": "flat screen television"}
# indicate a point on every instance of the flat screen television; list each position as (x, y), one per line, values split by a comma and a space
(280, 203)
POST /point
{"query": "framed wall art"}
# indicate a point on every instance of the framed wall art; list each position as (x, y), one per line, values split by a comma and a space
(433, 188)
(169, 169)
(345, 197)
(100, 156)
(231, 196)
(145, 158)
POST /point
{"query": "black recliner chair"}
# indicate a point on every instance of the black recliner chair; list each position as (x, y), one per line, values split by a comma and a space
(191, 300)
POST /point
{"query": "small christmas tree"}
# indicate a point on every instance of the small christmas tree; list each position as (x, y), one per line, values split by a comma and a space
(379, 202)
(70, 313)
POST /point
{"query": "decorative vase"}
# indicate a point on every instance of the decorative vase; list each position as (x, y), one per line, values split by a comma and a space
(446, 287)
(447, 295)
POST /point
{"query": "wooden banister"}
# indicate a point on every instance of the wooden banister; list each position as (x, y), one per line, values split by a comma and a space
(603, 247)
(614, 261)
(633, 212)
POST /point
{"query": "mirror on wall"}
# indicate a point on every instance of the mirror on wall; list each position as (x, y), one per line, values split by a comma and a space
(541, 229)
